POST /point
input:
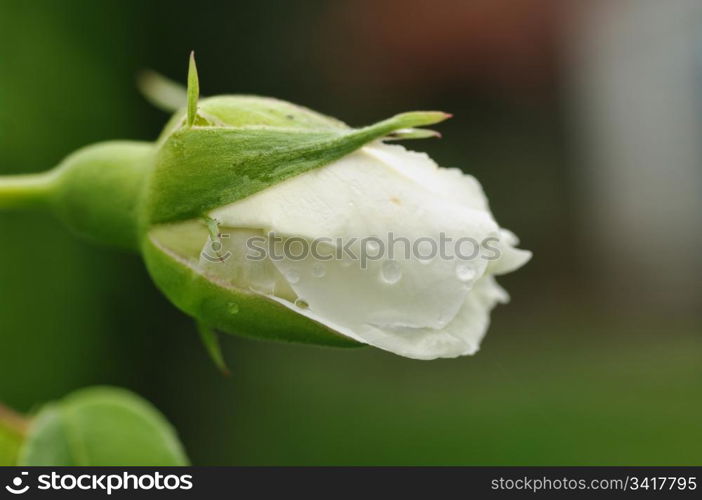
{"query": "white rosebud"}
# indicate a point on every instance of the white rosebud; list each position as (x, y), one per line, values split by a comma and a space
(394, 251)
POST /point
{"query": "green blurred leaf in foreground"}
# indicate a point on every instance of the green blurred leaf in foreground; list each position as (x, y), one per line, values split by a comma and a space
(101, 426)
(12, 430)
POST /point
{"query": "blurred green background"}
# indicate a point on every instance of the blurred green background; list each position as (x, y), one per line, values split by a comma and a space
(579, 369)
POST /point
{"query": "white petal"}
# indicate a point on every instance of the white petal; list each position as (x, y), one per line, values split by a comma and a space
(448, 183)
(510, 258)
(369, 192)
(462, 336)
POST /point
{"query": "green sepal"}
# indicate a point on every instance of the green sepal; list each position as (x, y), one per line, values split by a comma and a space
(199, 169)
(251, 110)
(163, 93)
(230, 309)
(193, 90)
(214, 349)
(101, 426)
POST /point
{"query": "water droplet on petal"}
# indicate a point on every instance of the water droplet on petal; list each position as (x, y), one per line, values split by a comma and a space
(302, 304)
(292, 276)
(372, 246)
(390, 272)
(233, 308)
(318, 270)
(264, 288)
(464, 272)
(425, 251)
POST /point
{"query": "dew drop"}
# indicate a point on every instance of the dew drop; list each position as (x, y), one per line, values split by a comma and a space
(233, 308)
(266, 288)
(372, 246)
(318, 270)
(390, 272)
(293, 277)
(426, 252)
(302, 304)
(464, 272)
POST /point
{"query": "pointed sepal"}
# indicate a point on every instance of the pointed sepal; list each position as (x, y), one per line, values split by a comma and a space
(214, 349)
(193, 91)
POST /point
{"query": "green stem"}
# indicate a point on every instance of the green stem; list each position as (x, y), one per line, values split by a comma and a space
(25, 191)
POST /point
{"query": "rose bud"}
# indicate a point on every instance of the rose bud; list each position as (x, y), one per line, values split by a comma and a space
(262, 218)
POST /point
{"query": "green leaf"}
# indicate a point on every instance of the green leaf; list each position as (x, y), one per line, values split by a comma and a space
(101, 426)
(202, 168)
(13, 428)
(10, 443)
